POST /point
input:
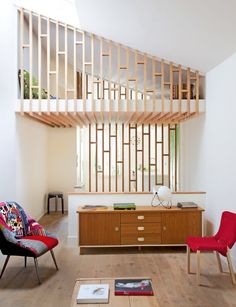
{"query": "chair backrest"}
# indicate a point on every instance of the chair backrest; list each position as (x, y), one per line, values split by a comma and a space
(13, 215)
(227, 231)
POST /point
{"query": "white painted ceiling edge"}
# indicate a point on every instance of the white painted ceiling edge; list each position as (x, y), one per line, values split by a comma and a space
(199, 34)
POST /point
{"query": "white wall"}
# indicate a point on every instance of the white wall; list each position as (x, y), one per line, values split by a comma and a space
(193, 146)
(31, 165)
(8, 89)
(23, 142)
(221, 141)
(61, 161)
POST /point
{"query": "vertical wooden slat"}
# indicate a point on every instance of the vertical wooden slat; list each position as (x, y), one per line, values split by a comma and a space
(30, 60)
(90, 174)
(153, 85)
(116, 159)
(155, 154)
(101, 81)
(103, 165)
(57, 67)
(83, 76)
(21, 60)
(109, 157)
(136, 80)
(171, 87)
(96, 155)
(66, 68)
(48, 65)
(188, 90)
(110, 79)
(142, 157)
(136, 156)
(145, 82)
(75, 69)
(162, 87)
(197, 92)
(123, 161)
(168, 175)
(119, 90)
(92, 72)
(127, 81)
(149, 158)
(162, 154)
(129, 157)
(175, 158)
(180, 88)
(39, 63)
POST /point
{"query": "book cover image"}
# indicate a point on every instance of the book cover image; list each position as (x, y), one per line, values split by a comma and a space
(133, 287)
(93, 293)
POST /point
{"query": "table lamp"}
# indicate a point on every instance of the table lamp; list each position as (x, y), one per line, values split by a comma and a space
(163, 194)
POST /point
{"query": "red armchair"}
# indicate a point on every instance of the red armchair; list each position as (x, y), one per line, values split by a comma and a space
(221, 243)
(20, 235)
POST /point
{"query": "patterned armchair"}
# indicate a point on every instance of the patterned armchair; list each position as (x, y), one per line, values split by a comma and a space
(20, 235)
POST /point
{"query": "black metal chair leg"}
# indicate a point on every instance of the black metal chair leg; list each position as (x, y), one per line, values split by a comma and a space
(48, 203)
(25, 261)
(4, 266)
(37, 269)
(62, 205)
(54, 259)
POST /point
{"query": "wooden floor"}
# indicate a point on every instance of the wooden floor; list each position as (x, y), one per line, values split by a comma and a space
(19, 286)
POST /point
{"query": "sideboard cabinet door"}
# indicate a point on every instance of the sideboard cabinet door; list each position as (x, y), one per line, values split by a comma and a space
(99, 229)
(177, 226)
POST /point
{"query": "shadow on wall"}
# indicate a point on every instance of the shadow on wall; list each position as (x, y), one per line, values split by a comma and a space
(209, 228)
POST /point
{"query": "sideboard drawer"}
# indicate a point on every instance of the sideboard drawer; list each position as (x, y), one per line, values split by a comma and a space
(140, 228)
(144, 217)
(140, 239)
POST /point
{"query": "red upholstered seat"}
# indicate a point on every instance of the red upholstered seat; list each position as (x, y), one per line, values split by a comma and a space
(207, 244)
(223, 239)
(221, 243)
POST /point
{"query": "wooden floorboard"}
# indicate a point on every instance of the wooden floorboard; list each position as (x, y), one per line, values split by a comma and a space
(19, 287)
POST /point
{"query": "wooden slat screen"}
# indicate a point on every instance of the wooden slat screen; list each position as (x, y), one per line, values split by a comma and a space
(73, 64)
(131, 158)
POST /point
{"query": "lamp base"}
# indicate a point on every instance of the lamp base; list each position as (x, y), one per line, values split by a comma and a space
(165, 204)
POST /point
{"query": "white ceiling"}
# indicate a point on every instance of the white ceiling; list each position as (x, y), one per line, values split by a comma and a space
(195, 33)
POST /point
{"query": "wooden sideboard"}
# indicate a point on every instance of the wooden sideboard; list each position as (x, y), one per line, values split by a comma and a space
(141, 227)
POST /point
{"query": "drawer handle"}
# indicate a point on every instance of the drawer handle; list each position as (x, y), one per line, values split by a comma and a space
(140, 239)
(164, 228)
(140, 217)
(116, 228)
(140, 228)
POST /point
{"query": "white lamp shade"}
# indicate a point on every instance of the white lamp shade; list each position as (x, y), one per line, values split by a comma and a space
(164, 193)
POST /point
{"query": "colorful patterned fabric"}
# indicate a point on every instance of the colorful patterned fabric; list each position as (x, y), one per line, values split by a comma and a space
(23, 231)
(16, 219)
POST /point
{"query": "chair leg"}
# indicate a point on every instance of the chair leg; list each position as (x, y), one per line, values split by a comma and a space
(54, 259)
(62, 205)
(48, 203)
(37, 269)
(231, 270)
(25, 261)
(4, 266)
(198, 267)
(188, 259)
(219, 262)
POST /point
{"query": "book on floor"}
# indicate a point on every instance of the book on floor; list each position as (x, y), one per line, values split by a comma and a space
(93, 293)
(133, 287)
